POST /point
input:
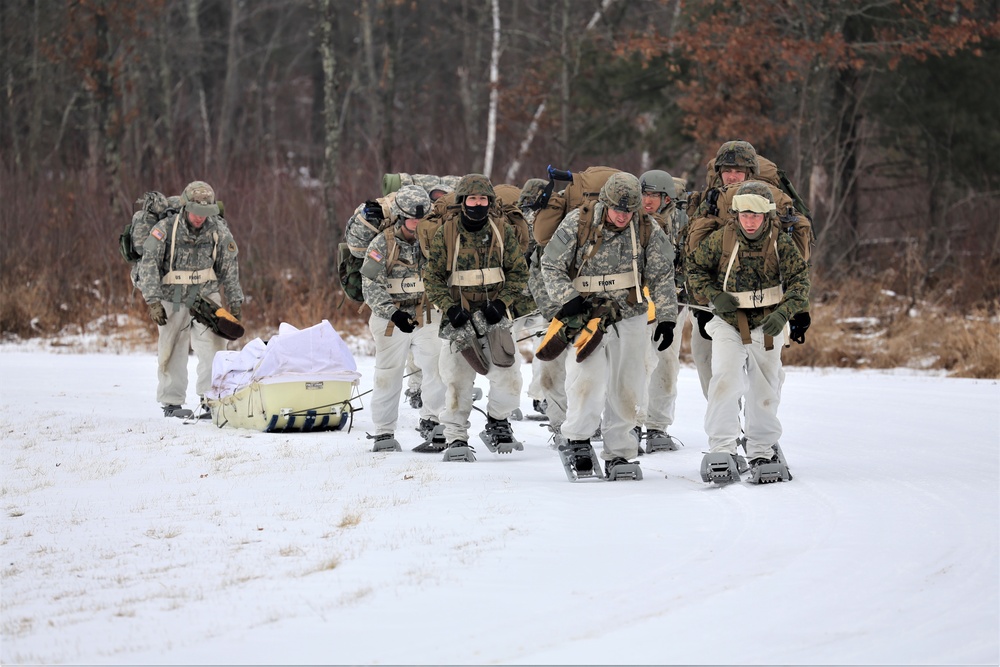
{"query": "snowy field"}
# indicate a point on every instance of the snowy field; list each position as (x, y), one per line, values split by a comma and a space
(129, 538)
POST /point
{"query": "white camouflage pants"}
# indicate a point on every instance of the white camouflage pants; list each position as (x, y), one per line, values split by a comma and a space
(701, 352)
(503, 397)
(658, 405)
(176, 337)
(391, 353)
(604, 390)
(745, 372)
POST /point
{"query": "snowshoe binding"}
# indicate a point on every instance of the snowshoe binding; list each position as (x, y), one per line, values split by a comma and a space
(722, 467)
(580, 460)
(459, 450)
(385, 442)
(659, 441)
(426, 427)
(177, 411)
(434, 441)
(620, 468)
(499, 437)
(768, 471)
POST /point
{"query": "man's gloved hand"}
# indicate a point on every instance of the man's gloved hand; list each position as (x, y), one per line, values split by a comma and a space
(774, 323)
(664, 330)
(494, 311)
(403, 321)
(799, 324)
(572, 307)
(703, 317)
(157, 313)
(725, 302)
(457, 315)
(235, 310)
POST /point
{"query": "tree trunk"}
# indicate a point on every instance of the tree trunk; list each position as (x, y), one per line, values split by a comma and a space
(328, 16)
(197, 80)
(231, 85)
(491, 124)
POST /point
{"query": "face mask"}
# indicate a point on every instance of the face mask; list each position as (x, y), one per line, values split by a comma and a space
(477, 213)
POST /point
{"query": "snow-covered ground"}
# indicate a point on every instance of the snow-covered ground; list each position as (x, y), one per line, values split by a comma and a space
(131, 538)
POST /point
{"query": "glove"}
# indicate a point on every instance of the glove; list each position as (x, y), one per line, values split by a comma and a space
(664, 330)
(494, 311)
(373, 212)
(774, 323)
(572, 307)
(703, 317)
(403, 321)
(799, 324)
(457, 315)
(235, 310)
(157, 313)
(725, 302)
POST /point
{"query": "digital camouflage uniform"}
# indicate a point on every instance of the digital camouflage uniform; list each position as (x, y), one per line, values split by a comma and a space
(180, 263)
(657, 405)
(747, 371)
(476, 251)
(392, 279)
(608, 380)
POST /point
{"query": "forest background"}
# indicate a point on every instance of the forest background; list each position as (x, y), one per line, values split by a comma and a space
(885, 115)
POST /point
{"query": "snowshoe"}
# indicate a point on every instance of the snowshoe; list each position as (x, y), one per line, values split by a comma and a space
(414, 398)
(204, 412)
(768, 471)
(477, 393)
(722, 467)
(434, 441)
(177, 411)
(621, 468)
(579, 460)
(426, 427)
(385, 442)
(539, 405)
(459, 450)
(658, 441)
(499, 437)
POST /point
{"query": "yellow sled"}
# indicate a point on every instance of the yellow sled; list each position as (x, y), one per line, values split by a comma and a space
(308, 405)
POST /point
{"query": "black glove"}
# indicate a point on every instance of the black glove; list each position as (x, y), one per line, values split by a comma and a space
(572, 307)
(457, 315)
(373, 212)
(494, 311)
(713, 201)
(157, 313)
(703, 317)
(799, 324)
(403, 321)
(664, 330)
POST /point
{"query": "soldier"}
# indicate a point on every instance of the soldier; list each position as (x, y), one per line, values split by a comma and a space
(188, 255)
(391, 279)
(475, 271)
(756, 279)
(657, 406)
(736, 162)
(598, 261)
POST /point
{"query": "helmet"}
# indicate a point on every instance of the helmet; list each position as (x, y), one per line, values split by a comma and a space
(658, 181)
(737, 154)
(411, 201)
(531, 191)
(474, 184)
(621, 192)
(753, 196)
(199, 198)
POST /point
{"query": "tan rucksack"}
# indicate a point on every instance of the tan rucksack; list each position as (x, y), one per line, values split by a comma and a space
(445, 208)
(583, 189)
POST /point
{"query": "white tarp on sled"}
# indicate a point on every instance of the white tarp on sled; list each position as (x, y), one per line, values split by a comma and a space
(301, 379)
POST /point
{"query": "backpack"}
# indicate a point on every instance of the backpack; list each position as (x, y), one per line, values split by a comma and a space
(444, 208)
(769, 173)
(153, 207)
(584, 187)
(368, 220)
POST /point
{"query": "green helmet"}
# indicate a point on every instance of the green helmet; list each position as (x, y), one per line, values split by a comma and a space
(621, 192)
(411, 201)
(198, 198)
(737, 154)
(532, 190)
(658, 181)
(474, 184)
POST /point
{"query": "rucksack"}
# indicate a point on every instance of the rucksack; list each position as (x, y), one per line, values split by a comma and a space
(444, 208)
(583, 188)
(769, 173)
(153, 207)
(367, 221)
